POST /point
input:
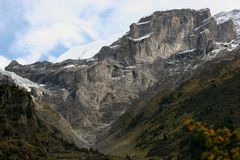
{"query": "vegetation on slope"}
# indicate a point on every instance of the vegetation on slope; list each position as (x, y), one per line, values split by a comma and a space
(23, 136)
(208, 143)
(155, 129)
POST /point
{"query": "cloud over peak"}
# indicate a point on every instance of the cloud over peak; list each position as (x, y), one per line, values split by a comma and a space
(38, 30)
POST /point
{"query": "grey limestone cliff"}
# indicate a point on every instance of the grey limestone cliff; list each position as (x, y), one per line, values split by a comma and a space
(160, 50)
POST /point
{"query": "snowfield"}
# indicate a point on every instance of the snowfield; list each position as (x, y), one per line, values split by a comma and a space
(19, 81)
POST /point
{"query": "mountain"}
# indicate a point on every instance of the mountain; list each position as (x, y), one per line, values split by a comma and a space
(48, 114)
(25, 135)
(155, 128)
(233, 15)
(160, 52)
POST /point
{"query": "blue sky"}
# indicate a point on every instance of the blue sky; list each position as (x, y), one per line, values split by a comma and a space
(55, 30)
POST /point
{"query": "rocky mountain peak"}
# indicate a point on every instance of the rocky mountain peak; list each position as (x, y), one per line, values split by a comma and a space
(14, 64)
(168, 19)
(165, 33)
(233, 15)
(161, 50)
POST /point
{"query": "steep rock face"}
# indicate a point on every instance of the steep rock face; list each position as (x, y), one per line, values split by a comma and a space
(165, 33)
(159, 51)
(232, 15)
(45, 112)
(226, 30)
(24, 134)
(205, 41)
(155, 128)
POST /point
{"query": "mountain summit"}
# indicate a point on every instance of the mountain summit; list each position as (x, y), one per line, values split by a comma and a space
(160, 51)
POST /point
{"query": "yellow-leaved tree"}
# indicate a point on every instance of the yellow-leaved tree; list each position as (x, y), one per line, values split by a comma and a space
(214, 144)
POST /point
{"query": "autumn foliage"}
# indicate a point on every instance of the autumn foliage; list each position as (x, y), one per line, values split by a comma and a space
(214, 144)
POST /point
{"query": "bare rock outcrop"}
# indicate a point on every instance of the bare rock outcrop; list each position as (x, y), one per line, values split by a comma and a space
(159, 51)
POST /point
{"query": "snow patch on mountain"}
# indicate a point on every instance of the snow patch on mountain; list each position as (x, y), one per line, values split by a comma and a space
(220, 47)
(188, 51)
(69, 66)
(114, 46)
(141, 38)
(88, 50)
(142, 23)
(225, 16)
(19, 81)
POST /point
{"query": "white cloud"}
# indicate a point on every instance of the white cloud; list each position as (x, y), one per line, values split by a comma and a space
(3, 62)
(74, 24)
(52, 23)
(41, 40)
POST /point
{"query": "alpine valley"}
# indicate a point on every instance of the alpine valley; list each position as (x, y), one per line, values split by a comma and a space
(129, 100)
